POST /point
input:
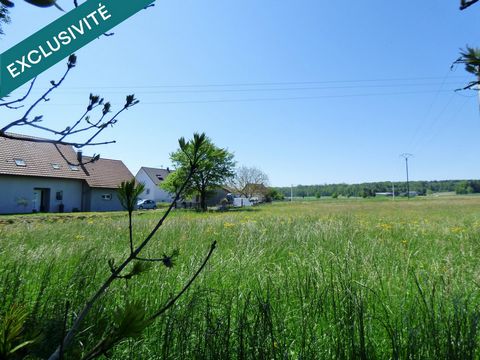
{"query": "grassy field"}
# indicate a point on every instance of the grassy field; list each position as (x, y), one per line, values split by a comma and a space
(330, 279)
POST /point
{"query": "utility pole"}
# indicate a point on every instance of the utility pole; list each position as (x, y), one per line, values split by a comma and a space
(291, 192)
(406, 156)
(393, 191)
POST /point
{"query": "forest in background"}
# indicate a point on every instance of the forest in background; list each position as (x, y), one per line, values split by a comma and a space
(371, 189)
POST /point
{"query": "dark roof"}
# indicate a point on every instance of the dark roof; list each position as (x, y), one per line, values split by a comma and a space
(106, 173)
(228, 189)
(50, 160)
(156, 175)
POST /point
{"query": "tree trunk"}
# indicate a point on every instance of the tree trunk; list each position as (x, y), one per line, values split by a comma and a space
(203, 200)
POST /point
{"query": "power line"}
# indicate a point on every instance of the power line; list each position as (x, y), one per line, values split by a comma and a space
(435, 131)
(264, 99)
(203, 91)
(432, 123)
(421, 123)
(278, 83)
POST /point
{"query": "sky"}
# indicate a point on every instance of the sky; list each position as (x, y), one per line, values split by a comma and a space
(309, 91)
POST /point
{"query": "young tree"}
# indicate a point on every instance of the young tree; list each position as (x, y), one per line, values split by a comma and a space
(133, 320)
(215, 167)
(248, 181)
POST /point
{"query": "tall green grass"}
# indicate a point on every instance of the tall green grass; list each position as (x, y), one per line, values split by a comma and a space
(314, 280)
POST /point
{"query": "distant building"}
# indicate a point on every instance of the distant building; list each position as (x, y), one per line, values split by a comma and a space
(152, 178)
(215, 197)
(256, 192)
(384, 193)
(250, 195)
(43, 177)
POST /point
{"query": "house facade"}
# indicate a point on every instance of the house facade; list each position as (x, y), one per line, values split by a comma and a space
(152, 178)
(44, 177)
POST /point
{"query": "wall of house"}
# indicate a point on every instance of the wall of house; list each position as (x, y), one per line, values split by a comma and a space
(152, 192)
(17, 193)
(98, 202)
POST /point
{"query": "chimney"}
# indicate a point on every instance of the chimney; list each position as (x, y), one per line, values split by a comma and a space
(79, 156)
(168, 170)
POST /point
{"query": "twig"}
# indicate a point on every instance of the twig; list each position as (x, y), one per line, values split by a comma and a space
(101, 347)
(94, 158)
(64, 328)
(467, 3)
(469, 86)
(50, 141)
(130, 231)
(150, 260)
(60, 136)
(8, 104)
(187, 285)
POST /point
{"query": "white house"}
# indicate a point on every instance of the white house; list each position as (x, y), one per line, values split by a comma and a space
(43, 177)
(152, 178)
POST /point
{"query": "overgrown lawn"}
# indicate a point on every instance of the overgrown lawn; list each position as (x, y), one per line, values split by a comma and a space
(316, 280)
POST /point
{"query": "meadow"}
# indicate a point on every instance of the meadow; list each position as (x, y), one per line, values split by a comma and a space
(329, 279)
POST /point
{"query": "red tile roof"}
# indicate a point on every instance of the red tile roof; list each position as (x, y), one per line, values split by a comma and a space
(40, 159)
(106, 173)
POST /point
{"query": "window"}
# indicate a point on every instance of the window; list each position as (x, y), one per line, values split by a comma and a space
(59, 195)
(74, 168)
(107, 196)
(56, 166)
(147, 191)
(159, 177)
(20, 162)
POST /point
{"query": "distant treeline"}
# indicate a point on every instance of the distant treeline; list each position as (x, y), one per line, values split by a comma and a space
(371, 189)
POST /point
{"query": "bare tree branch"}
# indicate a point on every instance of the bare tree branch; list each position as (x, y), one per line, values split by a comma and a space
(10, 103)
(467, 3)
(94, 158)
(64, 325)
(107, 343)
(61, 137)
(248, 180)
(24, 119)
(187, 285)
(49, 141)
(470, 86)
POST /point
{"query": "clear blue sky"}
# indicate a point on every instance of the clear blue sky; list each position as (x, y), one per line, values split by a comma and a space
(309, 91)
